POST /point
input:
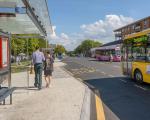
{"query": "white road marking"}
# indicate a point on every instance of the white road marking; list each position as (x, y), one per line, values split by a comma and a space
(123, 80)
(116, 66)
(103, 73)
(111, 76)
(140, 87)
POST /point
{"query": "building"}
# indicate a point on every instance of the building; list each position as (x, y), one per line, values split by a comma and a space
(131, 29)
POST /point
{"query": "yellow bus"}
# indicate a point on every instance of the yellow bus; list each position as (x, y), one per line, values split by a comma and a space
(136, 56)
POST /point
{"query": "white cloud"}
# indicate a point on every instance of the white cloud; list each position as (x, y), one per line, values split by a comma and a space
(101, 30)
(64, 36)
(62, 39)
(53, 35)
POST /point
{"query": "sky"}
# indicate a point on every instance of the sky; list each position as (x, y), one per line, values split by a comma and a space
(76, 20)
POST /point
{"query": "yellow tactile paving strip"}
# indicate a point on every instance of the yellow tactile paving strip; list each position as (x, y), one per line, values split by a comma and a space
(99, 109)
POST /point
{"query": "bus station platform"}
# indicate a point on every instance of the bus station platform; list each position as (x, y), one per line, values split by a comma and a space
(66, 99)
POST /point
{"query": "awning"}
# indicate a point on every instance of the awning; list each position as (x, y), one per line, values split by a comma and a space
(25, 17)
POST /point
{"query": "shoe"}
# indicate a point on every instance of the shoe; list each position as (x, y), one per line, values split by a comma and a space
(39, 87)
(35, 85)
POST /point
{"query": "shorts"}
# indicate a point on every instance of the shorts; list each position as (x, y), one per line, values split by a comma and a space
(48, 72)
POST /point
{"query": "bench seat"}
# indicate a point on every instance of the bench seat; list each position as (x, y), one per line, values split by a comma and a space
(4, 93)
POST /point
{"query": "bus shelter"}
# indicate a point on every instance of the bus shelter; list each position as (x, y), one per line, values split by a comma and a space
(20, 17)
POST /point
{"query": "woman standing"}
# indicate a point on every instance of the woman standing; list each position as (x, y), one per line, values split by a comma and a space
(48, 68)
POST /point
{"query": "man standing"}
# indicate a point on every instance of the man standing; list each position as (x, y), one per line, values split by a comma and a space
(37, 59)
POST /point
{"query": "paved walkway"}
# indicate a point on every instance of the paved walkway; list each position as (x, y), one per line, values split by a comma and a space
(62, 101)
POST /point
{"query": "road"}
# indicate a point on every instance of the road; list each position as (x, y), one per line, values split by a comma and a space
(123, 96)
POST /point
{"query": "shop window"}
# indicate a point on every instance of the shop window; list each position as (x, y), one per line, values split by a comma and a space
(145, 24)
(133, 27)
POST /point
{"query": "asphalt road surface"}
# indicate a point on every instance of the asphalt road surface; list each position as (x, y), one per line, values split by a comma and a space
(123, 96)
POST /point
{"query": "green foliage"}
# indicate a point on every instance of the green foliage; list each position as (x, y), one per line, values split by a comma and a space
(23, 45)
(31, 44)
(141, 39)
(60, 49)
(78, 49)
(86, 45)
(17, 46)
(42, 43)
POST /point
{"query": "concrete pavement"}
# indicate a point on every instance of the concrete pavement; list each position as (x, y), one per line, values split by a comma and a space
(66, 99)
(62, 101)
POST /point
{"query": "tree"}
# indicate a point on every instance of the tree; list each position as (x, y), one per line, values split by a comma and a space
(85, 47)
(60, 49)
(78, 50)
(17, 46)
(42, 43)
(22, 45)
(31, 45)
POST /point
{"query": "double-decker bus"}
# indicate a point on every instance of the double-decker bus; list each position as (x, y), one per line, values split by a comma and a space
(108, 52)
(136, 50)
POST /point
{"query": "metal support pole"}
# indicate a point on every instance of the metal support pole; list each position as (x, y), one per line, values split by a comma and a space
(27, 66)
(11, 99)
(9, 79)
(46, 43)
(4, 102)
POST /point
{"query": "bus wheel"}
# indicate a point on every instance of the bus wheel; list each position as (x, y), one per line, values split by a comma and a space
(138, 76)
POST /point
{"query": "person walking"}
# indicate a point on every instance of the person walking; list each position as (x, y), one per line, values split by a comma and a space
(38, 59)
(111, 58)
(18, 60)
(48, 68)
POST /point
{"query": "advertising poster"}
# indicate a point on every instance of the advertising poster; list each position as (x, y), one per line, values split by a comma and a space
(5, 52)
(0, 52)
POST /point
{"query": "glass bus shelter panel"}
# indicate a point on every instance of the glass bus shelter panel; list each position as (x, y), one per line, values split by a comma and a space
(18, 3)
(129, 60)
(42, 13)
(21, 24)
(124, 59)
(19, 19)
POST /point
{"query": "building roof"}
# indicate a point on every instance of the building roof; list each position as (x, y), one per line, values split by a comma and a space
(108, 46)
(112, 43)
(131, 24)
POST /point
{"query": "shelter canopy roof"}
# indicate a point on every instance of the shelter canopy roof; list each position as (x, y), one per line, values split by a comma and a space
(25, 17)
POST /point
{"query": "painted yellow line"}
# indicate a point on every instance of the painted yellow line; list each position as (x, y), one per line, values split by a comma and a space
(99, 109)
